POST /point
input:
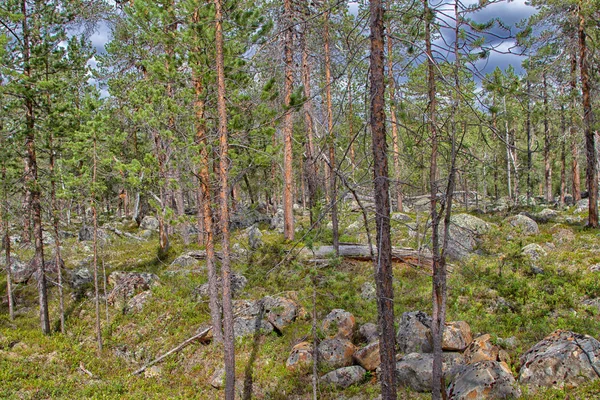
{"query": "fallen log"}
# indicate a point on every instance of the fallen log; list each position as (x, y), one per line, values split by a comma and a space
(198, 336)
(121, 233)
(361, 252)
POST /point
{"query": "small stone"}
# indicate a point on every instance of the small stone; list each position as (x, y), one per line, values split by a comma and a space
(218, 379)
(368, 292)
(153, 372)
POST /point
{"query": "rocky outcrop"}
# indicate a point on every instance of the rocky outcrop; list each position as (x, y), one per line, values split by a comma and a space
(20, 271)
(339, 323)
(523, 224)
(344, 377)
(563, 358)
(254, 237)
(484, 380)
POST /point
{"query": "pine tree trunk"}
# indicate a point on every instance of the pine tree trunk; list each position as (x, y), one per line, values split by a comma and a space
(547, 145)
(205, 209)
(55, 224)
(590, 140)
(393, 122)
(310, 164)
(95, 250)
(383, 263)
(438, 291)
(563, 156)
(288, 176)
(229, 341)
(573, 131)
(33, 186)
(331, 139)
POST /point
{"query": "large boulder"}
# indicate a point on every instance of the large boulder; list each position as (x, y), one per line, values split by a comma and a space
(368, 356)
(237, 281)
(264, 315)
(339, 323)
(80, 277)
(336, 353)
(128, 284)
(533, 251)
(86, 233)
(456, 336)
(149, 223)
(277, 221)
(20, 271)
(465, 231)
(481, 349)
(582, 206)
(563, 358)
(415, 370)
(484, 380)
(300, 357)
(414, 333)
(254, 237)
(369, 332)
(344, 377)
(524, 224)
(546, 215)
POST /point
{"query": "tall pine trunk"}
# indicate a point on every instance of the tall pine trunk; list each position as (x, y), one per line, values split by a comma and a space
(394, 123)
(383, 262)
(331, 139)
(590, 139)
(229, 341)
(205, 204)
(288, 176)
(573, 132)
(547, 144)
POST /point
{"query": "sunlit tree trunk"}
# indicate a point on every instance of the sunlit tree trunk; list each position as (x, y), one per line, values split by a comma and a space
(331, 138)
(383, 262)
(229, 343)
(288, 176)
(590, 140)
(394, 122)
(573, 132)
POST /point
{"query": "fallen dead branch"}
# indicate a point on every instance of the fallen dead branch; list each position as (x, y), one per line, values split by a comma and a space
(198, 336)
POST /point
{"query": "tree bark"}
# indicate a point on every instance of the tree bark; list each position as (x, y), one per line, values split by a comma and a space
(288, 176)
(229, 342)
(383, 263)
(573, 131)
(547, 144)
(33, 186)
(438, 291)
(310, 164)
(205, 201)
(95, 249)
(393, 123)
(590, 140)
(331, 139)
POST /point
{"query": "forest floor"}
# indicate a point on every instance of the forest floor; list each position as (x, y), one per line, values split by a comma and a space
(495, 291)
